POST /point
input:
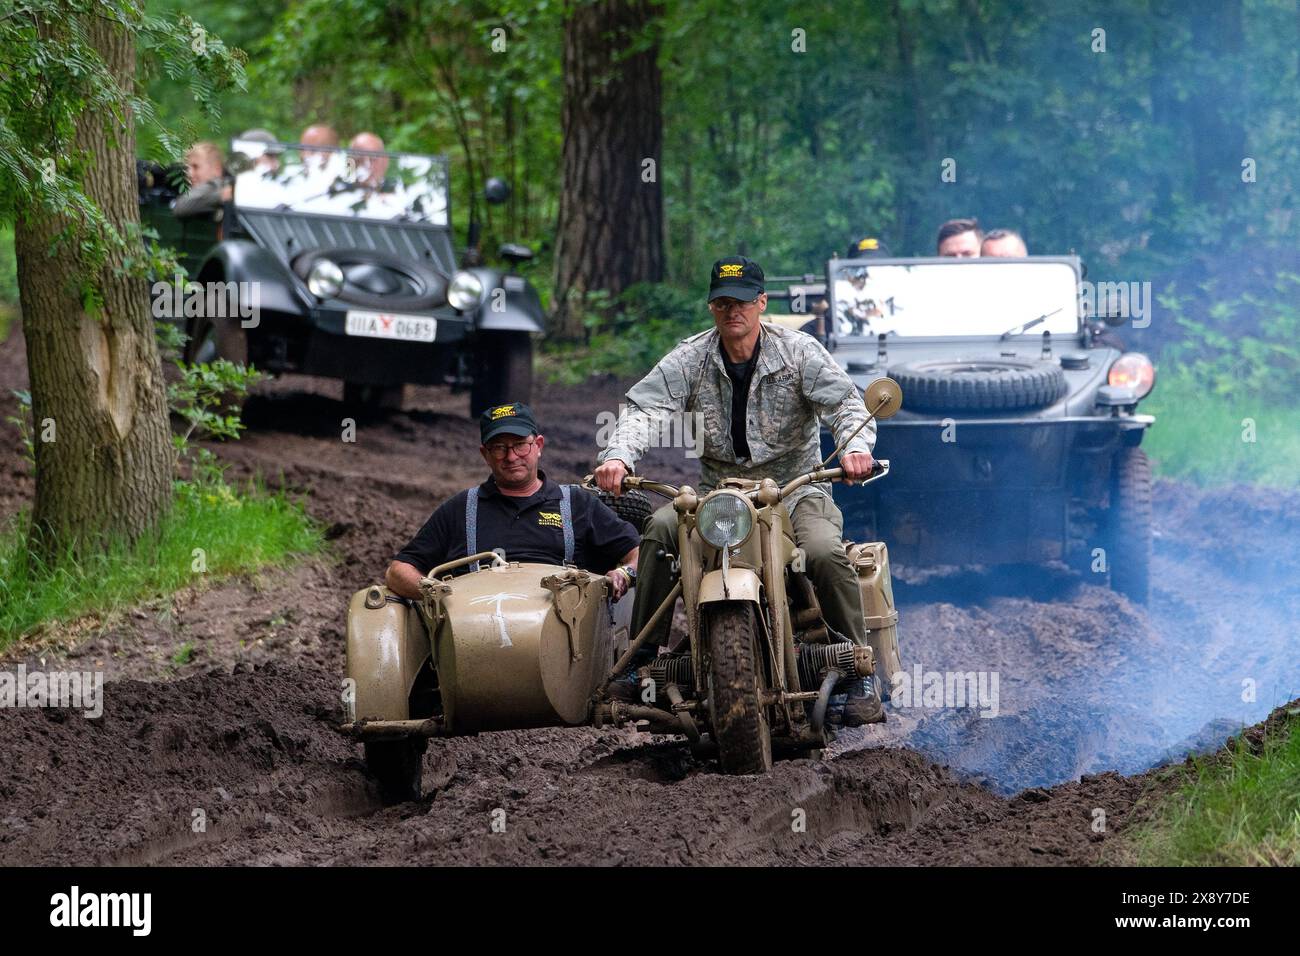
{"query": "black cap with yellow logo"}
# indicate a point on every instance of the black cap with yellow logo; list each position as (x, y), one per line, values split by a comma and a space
(737, 277)
(513, 419)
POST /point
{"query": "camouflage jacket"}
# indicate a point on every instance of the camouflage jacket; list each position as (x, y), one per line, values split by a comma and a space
(796, 384)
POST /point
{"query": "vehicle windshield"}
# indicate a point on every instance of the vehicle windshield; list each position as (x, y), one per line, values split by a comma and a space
(339, 182)
(957, 297)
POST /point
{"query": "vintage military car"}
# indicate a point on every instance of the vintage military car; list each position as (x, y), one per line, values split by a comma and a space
(341, 264)
(1019, 437)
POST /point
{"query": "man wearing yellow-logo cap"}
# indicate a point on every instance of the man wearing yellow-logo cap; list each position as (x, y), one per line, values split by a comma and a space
(521, 511)
(763, 392)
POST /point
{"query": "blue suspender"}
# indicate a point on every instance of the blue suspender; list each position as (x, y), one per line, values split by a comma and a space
(566, 518)
(471, 524)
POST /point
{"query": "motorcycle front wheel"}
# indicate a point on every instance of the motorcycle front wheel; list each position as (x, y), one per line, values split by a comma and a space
(735, 679)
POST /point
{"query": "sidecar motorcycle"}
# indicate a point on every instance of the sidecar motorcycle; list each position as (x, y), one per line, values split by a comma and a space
(516, 645)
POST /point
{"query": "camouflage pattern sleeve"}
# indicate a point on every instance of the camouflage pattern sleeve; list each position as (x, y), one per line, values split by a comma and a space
(839, 404)
(660, 394)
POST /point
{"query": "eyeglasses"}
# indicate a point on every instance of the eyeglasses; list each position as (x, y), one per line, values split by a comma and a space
(726, 305)
(519, 448)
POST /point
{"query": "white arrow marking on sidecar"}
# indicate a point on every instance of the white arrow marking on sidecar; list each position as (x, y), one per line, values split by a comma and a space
(496, 612)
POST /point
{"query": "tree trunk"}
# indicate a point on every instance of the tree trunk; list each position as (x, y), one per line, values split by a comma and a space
(610, 231)
(917, 143)
(96, 379)
(1218, 105)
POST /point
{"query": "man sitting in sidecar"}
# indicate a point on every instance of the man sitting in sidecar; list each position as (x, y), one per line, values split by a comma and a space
(521, 511)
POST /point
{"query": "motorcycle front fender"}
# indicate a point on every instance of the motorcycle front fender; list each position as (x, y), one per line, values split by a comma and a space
(733, 584)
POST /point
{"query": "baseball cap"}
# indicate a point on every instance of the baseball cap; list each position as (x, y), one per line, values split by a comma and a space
(259, 135)
(513, 419)
(868, 247)
(737, 277)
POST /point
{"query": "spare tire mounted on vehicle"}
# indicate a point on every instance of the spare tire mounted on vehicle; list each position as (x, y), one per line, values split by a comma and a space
(633, 506)
(979, 384)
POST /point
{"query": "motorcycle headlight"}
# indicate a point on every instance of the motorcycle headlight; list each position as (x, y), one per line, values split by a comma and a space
(725, 520)
(465, 291)
(1133, 370)
(325, 279)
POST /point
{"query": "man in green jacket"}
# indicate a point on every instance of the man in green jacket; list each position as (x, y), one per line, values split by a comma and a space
(762, 391)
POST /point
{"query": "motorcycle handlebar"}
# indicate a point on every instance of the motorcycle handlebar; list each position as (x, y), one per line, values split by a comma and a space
(879, 468)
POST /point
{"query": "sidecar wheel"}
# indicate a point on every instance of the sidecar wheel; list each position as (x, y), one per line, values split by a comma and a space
(398, 765)
(734, 669)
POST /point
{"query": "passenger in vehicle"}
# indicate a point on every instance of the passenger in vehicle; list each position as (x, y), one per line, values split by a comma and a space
(319, 135)
(370, 170)
(959, 238)
(1003, 244)
(204, 168)
(268, 162)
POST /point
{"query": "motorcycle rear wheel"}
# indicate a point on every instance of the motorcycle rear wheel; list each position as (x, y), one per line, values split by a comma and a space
(735, 669)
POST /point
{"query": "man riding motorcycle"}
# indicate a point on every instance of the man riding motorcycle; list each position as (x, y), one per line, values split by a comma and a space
(762, 391)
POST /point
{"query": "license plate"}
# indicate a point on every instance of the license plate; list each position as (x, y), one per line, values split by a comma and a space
(392, 325)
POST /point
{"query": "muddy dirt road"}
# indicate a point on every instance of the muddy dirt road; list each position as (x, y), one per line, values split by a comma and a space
(239, 739)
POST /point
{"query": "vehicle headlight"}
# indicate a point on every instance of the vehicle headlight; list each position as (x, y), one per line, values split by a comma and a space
(465, 291)
(725, 520)
(1133, 370)
(325, 279)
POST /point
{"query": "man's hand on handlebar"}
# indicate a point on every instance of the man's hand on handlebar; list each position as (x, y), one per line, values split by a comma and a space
(610, 475)
(857, 465)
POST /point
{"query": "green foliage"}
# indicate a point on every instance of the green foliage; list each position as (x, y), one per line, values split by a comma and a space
(1244, 347)
(237, 530)
(1225, 395)
(1241, 808)
(1223, 440)
(53, 74)
(8, 274)
(648, 321)
(23, 422)
(206, 398)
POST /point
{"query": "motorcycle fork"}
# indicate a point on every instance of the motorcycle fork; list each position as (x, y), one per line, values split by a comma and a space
(690, 571)
(780, 630)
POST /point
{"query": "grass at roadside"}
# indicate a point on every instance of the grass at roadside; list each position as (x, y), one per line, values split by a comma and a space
(236, 531)
(1220, 441)
(1240, 807)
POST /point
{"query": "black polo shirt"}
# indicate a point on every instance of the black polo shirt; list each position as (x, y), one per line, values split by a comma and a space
(529, 529)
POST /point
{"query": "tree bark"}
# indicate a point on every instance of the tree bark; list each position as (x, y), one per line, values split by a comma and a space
(95, 378)
(610, 230)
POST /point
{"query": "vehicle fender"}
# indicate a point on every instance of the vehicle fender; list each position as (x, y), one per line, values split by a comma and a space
(387, 645)
(510, 303)
(740, 584)
(239, 260)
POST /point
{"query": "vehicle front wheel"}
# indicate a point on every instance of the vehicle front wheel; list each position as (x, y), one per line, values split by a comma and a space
(503, 370)
(398, 765)
(1127, 524)
(735, 679)
(219, 338)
